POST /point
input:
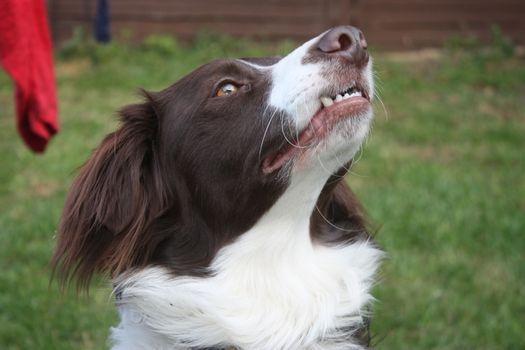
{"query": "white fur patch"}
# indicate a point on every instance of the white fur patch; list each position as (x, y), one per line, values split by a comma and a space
(296, 86)
(299, 301)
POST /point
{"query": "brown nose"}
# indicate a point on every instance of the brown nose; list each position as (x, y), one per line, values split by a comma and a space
(346, 41)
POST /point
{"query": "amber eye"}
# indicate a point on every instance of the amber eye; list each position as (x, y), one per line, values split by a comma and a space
(227, 89)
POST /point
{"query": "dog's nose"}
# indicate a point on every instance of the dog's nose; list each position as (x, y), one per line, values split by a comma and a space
(346, 41)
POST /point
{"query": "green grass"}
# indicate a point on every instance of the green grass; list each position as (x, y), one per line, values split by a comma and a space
(442, 175)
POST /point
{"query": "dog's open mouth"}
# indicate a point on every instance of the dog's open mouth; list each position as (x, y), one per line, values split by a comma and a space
(346, 104)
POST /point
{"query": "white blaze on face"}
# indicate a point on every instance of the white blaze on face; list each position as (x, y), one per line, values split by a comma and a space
(295, 84)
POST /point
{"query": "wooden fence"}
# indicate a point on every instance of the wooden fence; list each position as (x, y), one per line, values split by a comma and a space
(387, 24)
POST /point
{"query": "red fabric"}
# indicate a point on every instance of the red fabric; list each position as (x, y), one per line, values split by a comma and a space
(27, 55)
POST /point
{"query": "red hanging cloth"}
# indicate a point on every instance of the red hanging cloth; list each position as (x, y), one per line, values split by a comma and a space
(26, 53)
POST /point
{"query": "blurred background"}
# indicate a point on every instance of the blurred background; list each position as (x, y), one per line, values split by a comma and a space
(388, 24)
(442, 175)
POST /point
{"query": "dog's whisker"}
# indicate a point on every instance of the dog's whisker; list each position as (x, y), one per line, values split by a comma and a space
(354, 162)
(385, 111)
(264, 112)
(360, 152)
(265, 132)
(334, 225)
(290, 142)
(322, 164)
(342, 165)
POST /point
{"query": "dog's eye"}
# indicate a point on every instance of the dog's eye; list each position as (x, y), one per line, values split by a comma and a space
(227, 89)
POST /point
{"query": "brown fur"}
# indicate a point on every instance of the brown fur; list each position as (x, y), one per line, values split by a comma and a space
(181, 178)
(109, 197)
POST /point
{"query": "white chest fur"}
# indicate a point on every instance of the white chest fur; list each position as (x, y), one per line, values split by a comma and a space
(271, 289)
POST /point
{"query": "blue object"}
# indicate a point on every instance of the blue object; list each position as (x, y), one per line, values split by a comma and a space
(101, 26)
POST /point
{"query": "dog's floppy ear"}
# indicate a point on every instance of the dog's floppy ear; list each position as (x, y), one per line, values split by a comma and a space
(119, 192)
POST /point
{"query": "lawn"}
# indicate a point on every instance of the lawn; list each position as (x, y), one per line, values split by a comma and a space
(442, 178)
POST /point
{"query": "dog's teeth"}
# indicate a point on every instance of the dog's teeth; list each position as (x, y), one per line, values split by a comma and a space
(352, 92)
(327, 101)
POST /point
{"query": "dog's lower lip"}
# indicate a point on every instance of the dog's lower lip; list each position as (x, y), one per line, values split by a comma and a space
(319, 126)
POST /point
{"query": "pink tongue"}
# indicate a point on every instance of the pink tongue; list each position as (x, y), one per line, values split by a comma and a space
(275, 162)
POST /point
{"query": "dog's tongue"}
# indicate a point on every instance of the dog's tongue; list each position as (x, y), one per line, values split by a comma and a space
(276, 161)
(320, 125)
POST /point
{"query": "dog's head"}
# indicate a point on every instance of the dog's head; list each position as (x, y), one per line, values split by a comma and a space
(199, 163)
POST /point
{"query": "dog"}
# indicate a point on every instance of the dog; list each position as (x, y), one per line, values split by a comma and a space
(219, 209)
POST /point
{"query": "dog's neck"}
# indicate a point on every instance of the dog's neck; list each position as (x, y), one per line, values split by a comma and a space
(270, 289)
(273, 288)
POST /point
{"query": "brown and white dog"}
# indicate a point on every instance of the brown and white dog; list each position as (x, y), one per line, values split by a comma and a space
(219, 208)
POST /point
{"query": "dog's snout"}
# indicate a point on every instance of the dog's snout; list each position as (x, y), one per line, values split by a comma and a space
(346, 41)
